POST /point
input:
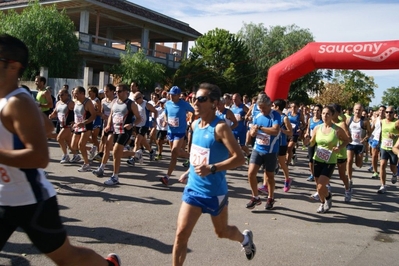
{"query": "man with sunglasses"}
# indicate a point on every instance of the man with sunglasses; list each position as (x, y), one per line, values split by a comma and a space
(389, 137)
(176, 117)
(27, 198)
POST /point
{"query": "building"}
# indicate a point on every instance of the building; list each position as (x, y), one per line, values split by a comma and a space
(105, 27)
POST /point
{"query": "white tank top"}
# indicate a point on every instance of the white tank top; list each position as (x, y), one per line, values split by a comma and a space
(142, 108)
(377, 129)
(356, 133)
(20, 187)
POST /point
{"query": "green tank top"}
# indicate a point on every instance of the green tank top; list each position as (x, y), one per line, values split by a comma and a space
(325, 143)
(42, 100)
(386, 128)
(342, 152)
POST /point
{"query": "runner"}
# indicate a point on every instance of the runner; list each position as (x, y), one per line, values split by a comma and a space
(27, 199)
(206, 190)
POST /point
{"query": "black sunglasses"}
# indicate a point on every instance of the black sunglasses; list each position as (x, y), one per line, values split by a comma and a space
(201, 99)
(389, 112)
(119, 91)
(138, 98)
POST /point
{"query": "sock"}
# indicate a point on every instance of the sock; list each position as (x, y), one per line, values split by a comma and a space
(245, 241)
(102, 166)
(329, 196)
(115, 176)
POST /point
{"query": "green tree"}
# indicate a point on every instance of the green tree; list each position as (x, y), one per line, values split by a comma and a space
(49, 35)
(268, 46)
(391, 97)
(136, 67)
(358, 85)
(221, 58)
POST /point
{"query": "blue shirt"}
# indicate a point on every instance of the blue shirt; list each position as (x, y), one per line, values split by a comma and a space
(239, 113)
(295, 122)
(176, 114)
(265, 143)
(205, 149)
(283, 137)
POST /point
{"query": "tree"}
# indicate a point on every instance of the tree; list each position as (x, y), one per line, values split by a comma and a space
(334, 93)
(49, 35)
(358, 86)
(136, 67)
(390, 97)
(221, 58)
(267, 47)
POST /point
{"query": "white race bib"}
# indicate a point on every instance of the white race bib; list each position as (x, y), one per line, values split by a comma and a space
(199, 155)
(263, 139)
(323, 154)
(387, 143)
(173, 121)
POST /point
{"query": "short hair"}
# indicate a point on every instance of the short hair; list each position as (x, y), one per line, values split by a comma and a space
(94, 89)
(14, 49)
(66, 86)
(63, 91)
(80, 89)
(280, 103)
(214, 91)
(42, 79)
(263, 99)
(123, 86)
(110, 86)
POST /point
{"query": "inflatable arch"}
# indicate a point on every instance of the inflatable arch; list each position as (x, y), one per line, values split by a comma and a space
(316, 55)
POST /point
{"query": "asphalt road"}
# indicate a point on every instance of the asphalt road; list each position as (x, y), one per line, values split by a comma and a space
(137, 220)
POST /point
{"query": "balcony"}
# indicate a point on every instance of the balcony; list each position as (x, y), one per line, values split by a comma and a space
(105, 49)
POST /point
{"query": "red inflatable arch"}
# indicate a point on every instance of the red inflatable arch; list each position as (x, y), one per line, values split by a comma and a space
(316, 55)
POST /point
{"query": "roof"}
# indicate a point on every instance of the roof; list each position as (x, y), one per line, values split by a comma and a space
(124, 6)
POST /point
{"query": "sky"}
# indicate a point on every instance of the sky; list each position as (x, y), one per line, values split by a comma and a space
(328, 21)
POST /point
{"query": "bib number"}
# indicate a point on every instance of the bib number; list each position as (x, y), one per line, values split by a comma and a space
(4, 176)
(173, 121)
(199, 155)
(387, 143)
(263, 139)
(323, 154)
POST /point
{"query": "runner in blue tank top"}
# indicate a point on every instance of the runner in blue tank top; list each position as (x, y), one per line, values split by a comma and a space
(240, 132)
(265, 130)
(214, 151)
(297, 120)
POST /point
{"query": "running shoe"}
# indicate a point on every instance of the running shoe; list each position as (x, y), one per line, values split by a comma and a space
(127, 148)
(158, 157)
(85, 168)
(310, 178)
(375, 175)
(348, 195)
(315, 196)
(92, 152)
(366, 159)
(112, 181)
(263, 190)
(98, 157)
(249, 248)
(152, 155)
(382, 190)
(287, 185)
(99, 172)
(65, 159)
(394, 179)
(328, 204)
(139, 156)
(253, 202)
(164, 180)
(269, 204)
(131, 161)
(114, 259)
(186, 163)
(75, 159)
(321, 208)
(370, 169)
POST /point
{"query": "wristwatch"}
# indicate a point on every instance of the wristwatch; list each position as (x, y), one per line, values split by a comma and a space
(213, 168)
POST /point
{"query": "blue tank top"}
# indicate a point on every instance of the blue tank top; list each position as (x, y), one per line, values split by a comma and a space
(265, 143)
(206, 149)
(239, 113)
(313, 124)
(176, 113)
(295, 122)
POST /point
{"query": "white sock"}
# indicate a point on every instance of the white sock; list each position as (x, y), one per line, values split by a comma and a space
(246, 240)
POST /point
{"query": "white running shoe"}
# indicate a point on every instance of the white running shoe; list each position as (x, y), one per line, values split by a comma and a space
(85, 168)
(139, 156)
(112, 181)
(65, 159)
(75, 159)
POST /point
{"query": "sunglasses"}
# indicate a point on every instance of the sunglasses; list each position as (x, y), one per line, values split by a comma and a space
(389, 112)
(138, 98)
(119, 91)
(7, 60)
(201, 99)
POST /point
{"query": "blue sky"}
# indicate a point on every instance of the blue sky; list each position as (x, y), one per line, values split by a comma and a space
(328, 21)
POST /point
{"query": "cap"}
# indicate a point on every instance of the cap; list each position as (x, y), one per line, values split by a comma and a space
(175, 90)
(100, 91)
(163, 100)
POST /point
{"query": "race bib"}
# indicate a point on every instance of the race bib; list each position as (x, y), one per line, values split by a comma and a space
(61, 118)
(78, 119)
(199, 155)
(293, 125)
(323, 154)
(263, 139)
(173, 121)
(238, 117)
(356, 137)
(387, 143)
(117, 119)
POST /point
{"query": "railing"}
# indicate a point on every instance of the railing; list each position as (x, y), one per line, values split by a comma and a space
(113, 48)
